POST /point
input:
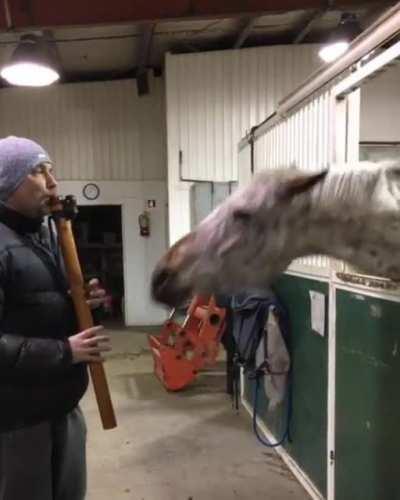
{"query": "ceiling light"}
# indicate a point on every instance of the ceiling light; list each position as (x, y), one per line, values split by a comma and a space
(339, 40)
(329, 53)
(33, 63)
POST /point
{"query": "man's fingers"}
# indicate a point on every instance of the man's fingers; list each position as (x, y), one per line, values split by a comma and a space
(98, 338)
(94, 282)
(95, 302)
(102, 338)
(100, 348)
(91, 332)
(100, 292)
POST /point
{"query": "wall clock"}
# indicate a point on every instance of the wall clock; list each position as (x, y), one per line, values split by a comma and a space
(91, 191)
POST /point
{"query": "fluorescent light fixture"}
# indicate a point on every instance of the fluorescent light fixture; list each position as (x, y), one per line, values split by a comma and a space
(332, 51)
(32, 64)
(339, 41)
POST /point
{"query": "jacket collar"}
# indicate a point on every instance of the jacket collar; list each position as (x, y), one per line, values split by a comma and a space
(18, 222)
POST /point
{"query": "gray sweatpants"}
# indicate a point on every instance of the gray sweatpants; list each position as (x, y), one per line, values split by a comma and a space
(45, 462)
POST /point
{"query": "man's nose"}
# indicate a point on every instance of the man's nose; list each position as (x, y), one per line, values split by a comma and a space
(51, 182)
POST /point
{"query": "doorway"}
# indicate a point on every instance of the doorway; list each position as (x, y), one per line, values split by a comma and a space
(98, 234)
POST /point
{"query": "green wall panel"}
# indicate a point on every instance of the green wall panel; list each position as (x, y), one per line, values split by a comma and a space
(367, 398)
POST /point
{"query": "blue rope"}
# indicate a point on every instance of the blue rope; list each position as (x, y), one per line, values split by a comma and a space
(286, 434)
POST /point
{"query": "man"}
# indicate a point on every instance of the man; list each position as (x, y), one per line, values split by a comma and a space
(43, 359)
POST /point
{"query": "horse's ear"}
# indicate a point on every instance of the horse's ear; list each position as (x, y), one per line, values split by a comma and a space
(299, 184)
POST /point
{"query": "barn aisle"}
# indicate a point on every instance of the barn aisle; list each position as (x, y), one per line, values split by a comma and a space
(189, 445)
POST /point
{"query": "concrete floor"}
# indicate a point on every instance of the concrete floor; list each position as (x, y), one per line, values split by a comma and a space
(182, 446)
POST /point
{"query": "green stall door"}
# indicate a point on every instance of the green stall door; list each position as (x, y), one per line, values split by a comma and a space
(309, 353)
(367, 398)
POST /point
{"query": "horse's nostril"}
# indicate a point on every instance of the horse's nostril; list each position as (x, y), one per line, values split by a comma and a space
(166, 288)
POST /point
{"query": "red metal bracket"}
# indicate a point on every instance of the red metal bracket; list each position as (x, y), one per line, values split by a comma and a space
(181, 351)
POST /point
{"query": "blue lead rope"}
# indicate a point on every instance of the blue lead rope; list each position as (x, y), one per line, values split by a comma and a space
(286, 434)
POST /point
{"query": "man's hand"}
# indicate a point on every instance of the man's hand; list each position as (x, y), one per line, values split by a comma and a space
(88, 345)
(96, 295)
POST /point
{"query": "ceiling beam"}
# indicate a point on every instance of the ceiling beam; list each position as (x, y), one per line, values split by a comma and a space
(5, 14)
(144, 58)
(49, 13)
(145, 45)
(309, 22)
(246, 25)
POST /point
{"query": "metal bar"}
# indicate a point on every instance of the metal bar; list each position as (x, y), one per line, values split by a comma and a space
(331, 435)
(244, 141)
(354, 80)
(379, 143)
(368, 281)
(384, 29)
(185, 179)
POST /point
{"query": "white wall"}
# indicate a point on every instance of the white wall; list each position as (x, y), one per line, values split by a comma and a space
(380, 107)
(213, 99)
(98, 130)
(140, 254)
(105, 132)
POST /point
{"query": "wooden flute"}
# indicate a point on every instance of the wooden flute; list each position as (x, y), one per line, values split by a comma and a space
(64, 210)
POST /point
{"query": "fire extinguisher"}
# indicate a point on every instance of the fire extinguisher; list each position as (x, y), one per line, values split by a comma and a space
(144, 224)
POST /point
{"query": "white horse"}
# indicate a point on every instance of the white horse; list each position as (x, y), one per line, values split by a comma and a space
(349, 212)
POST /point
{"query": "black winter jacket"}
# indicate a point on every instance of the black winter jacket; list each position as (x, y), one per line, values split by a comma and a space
(37, 378)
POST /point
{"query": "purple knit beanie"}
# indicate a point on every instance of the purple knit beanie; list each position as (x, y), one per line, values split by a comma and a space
(18, 157)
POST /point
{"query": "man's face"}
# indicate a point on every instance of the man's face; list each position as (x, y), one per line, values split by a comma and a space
(33, 196)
